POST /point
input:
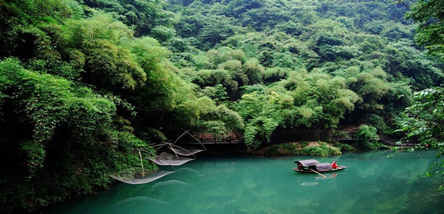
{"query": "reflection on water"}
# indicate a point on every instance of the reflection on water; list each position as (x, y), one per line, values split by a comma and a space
(377, 182)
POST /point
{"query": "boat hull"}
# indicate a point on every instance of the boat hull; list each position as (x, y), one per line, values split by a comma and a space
(309, 171)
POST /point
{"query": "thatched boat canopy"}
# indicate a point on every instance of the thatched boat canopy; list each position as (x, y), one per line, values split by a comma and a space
(323, 167)
(307, 163)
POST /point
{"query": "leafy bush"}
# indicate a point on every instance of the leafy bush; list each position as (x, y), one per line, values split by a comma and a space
(422, 122)
(57, 129)
(367, 137)
(322, 150)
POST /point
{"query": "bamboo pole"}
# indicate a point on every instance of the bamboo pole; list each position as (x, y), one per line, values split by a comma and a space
(205, 148)
(141, 163)
(318, 173)
(180, 136)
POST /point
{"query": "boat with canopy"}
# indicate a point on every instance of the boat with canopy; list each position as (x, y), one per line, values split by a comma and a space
(314, 166)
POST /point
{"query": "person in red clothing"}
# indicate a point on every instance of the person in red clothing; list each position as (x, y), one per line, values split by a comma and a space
(334, 165)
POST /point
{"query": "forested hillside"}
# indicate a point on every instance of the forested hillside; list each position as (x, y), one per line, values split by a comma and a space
(86, 84)
(303, 64)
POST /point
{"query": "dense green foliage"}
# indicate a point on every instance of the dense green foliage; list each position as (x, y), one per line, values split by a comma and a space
(321, 149)
(86, 84)
(148, 17)
(423, 121)
(80, 98)
(368, 136)
(54, 131)
(310, 64)
(429, 15)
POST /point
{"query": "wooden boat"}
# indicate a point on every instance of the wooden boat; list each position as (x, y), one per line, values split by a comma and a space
(313, 166)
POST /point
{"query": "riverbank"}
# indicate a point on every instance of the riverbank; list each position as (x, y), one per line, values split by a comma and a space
(298, 148)
(313, 148)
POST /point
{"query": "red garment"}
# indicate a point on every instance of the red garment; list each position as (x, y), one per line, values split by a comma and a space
(334, 165)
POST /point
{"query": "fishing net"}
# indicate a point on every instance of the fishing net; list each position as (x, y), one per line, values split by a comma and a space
(184, 152)
(167, 159)
(180, 155)
(138, 178)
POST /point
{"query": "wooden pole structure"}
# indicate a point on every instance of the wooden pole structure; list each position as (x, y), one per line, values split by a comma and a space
(205, 148)
(141, 163)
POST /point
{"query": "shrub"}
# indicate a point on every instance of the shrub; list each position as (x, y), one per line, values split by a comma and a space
(321, 149)
(367, 137)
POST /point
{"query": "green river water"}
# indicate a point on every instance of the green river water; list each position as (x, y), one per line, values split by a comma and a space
(376, 182)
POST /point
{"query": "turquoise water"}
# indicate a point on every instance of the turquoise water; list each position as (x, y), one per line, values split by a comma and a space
(377, 182)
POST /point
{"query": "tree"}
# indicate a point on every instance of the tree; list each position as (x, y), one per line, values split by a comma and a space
(430, 33)
(423, 121)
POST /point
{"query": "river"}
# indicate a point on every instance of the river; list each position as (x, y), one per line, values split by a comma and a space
(374, 182)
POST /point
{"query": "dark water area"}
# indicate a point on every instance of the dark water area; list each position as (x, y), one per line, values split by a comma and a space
(375, 182)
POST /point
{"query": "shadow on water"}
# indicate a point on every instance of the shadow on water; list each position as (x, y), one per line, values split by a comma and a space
(375, 182)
